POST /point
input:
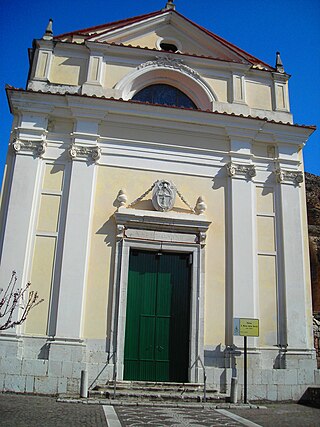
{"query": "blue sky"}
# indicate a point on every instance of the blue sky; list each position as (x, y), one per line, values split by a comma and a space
(259, 27)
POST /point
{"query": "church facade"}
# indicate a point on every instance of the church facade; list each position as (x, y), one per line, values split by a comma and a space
(153, 192)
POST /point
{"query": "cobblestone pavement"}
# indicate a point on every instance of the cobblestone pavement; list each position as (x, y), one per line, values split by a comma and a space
(30, 411)
(18, 410)
(141, 416)
(282, 415)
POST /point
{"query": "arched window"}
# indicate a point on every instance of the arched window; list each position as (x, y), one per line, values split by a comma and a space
(165, 95)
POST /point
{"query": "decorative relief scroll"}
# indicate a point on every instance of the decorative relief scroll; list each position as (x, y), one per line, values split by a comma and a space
(283, 175)
(233, 169)
(174, 64)
(37, 147)
(90, 153)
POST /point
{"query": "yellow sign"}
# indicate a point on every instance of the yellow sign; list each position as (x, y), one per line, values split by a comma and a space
(246, 327)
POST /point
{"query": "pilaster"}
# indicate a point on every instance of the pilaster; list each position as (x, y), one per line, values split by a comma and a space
(238, 92)
(16, 244)
(242, 281)
(77, 231)
(294, 316)
(28, 145)
(95, 75)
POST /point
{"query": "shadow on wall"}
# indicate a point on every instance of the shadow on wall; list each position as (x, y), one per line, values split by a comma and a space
(108, 229)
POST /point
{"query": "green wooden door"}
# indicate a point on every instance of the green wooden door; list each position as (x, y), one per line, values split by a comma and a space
(157, 319)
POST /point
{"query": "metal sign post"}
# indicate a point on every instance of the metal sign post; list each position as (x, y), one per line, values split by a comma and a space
(245, 370)
(245, 328)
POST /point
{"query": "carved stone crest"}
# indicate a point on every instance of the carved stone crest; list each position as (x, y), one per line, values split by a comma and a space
(163, 195)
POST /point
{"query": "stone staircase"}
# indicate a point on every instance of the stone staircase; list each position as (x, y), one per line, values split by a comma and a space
(156, 392)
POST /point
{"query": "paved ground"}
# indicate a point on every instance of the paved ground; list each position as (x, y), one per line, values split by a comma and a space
(30, 411)
(130, 416)
(282, 415)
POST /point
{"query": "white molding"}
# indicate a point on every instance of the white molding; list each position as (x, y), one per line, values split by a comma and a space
(168, 221)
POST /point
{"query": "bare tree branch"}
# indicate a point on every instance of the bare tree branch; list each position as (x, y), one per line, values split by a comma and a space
(13, 299)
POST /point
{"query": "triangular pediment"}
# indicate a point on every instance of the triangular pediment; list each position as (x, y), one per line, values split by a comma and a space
(149, 31)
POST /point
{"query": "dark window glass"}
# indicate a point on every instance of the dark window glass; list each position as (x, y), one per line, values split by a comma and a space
(164, 95)
(168, 47)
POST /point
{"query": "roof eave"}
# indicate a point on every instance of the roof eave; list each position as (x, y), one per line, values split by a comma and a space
(310, 128)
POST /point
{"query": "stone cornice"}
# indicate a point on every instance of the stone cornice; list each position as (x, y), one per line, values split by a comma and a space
(169, 222)
(20, 99)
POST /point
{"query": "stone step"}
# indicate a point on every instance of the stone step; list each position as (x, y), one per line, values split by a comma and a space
(151, 391)
(148, 385)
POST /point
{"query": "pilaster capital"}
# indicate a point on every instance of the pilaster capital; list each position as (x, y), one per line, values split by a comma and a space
(85, 153)
(36, 147)
(284, 176)
(247, 171)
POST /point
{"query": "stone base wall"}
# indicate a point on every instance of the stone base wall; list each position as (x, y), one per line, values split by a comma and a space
(273, 375)
(38, 365)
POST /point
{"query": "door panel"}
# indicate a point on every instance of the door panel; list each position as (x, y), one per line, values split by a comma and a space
(157, 323)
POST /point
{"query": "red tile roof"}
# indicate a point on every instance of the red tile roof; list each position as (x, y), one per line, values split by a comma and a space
(89, 32)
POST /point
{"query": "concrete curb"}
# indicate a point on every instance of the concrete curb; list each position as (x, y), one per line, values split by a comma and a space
(109, 402)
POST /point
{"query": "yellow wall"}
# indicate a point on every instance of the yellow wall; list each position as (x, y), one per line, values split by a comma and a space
(114, 73)
(109, 181)
(267, 265)
(268, 300)
(45, 247)
(41, 279)
(68, 71)
(146, 40)
(219, 87)
(167, 32)
(258, 95)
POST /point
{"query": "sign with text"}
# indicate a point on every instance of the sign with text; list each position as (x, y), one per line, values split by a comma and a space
(245, 327)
